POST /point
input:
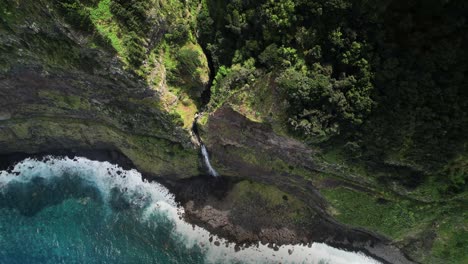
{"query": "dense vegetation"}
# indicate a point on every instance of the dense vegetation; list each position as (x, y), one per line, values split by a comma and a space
(385, 79)
(132, 15)
(378, 88)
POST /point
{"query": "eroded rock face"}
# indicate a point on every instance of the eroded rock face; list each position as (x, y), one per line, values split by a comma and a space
(59, 92)
(243, 148)
(247, 212)
(75, 110)
(227, 127)
(4, 116)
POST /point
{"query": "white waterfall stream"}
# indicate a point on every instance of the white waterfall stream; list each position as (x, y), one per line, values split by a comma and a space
(206, 160)
(204, 151)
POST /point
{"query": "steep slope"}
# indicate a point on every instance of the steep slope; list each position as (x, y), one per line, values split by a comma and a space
(72, 79)
(365, 100)
(348, 116)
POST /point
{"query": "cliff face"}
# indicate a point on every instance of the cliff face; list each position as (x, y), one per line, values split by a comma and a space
(129, 76)
(62, 87)
(245, 138)
(361, 102)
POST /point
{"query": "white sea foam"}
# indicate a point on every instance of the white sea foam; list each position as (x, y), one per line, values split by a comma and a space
(156, 199)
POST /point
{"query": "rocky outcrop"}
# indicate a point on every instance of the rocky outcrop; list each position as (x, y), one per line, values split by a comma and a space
(59, 91)
(63, 92)
(243, 148)
(246, 212)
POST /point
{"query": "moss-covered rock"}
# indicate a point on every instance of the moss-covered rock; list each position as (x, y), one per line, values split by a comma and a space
(152, 156)
(85, 75)
(62, 87)
(245, 138)
(192, 70)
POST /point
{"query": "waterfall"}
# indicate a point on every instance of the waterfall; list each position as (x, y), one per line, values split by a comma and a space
(206, 159)
(204, 151)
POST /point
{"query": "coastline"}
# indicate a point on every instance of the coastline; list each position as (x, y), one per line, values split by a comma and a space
(206, 203)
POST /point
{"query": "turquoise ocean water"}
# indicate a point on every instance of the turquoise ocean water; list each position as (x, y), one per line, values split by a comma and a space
(82, 211)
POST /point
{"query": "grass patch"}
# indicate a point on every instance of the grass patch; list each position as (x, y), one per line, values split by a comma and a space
(187, 69)
(168, 60)
(261, 103)
(186, 109)
(337, 155)
(440, 228)
(65, 101)
(271, 197)
(393, 218)
(107, 26)
(451, 245)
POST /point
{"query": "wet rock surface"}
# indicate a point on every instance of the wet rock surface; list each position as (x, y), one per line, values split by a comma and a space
(234, 208)
(242, 148)
(246, 212)
(59, 93)
(89, 105)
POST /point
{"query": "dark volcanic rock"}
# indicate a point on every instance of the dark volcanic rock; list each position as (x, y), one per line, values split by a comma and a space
(248, 213)
(240, 147)
(58, 92)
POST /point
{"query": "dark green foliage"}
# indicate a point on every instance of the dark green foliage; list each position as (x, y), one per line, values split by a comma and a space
(189, 74)
(205, 22)
(135, 48)
(189, 60)
(231, 79)
(453, 178)
(422, 74)
(311, 105)
(179, 34)
(274, 57)
(133, 15)
(75, 13)
(294, 38)
(389, 76)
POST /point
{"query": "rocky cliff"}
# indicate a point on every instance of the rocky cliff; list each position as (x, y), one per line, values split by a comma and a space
(127, 77)
(62, 87)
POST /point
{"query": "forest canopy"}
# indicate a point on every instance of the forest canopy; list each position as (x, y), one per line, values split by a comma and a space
(386, 77)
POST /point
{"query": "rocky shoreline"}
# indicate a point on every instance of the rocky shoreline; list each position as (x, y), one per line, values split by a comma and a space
(209, 203)
(212, 204)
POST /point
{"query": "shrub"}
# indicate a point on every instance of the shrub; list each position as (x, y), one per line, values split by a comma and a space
(75, 13)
